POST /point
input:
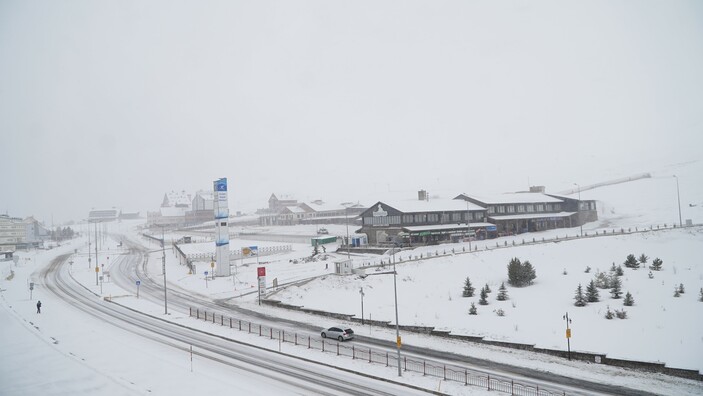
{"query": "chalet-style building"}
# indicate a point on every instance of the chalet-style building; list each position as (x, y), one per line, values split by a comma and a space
(429, 221)
(423, 221)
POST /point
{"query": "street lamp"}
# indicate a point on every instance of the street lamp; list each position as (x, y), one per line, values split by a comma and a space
(397, 329)
(361, 292)
(579, 208)
(678, 196)
(568, 333)
(163, 267)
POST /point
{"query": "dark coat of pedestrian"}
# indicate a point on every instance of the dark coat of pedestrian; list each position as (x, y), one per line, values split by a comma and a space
(38, 306)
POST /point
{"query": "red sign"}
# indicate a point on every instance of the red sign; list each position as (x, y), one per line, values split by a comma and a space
(261, 271)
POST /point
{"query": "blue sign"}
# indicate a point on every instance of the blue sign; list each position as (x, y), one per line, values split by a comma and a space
(205, 273)
(491, 228)
(221, 184)
(139, 283)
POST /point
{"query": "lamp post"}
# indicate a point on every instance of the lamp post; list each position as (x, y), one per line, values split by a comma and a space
(568, 334)
(579, 208)
(163, 267)
(361, 292)
(397, 329)
(96, 254)
(678, 196)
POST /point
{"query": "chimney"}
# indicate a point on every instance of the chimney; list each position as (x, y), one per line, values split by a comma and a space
(422, 195)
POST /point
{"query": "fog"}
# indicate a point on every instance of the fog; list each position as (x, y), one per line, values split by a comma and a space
(112, 104)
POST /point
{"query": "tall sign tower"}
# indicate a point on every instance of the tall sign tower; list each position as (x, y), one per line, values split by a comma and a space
(221, 228)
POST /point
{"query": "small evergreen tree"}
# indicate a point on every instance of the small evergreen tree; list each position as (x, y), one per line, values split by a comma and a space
(628, 301)
(520, 274)
(656, 264)
(603, 280)
(616, 288)
(502, 292)
(484, 297)
(500, 312)
(488, 289)
(676, 292)
(651, 275)
(631, 262)
(613, 268)
(468, 288)
(621, 314)
(579, 297)
(609, 314)
(473, 310)
(587, 270)
(643, 259)
(592, 294)
(681, 289)
(619, 271)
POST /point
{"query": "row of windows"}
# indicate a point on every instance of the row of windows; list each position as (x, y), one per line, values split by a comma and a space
(524, 208)
(424, 218)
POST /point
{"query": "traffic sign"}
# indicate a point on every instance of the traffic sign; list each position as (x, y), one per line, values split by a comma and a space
(139, 282)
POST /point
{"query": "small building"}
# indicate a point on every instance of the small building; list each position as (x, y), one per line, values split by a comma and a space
(343, 267)
(323, 240)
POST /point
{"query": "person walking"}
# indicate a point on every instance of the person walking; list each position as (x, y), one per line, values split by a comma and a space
(38, 306)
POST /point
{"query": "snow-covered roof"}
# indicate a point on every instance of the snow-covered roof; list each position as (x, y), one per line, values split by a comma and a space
(295, 209)
(320, 206)
(514, 198)
(433, 205)
(532, 216)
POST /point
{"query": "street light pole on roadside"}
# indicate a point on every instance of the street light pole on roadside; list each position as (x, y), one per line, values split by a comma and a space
(579, 208)
(361, 291)
(397, 328)
(163, 265)
(468, 224)
(678, 196)
(346, 220)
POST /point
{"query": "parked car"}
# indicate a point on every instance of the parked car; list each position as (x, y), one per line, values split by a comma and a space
(323, 231)
(339, 332)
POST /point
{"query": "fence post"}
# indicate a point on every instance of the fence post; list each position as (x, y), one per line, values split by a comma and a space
(512, 387)
(445, 372)
(405, 363)
(423, 367)
(466, 377)
(386, 359)
(205, 315)
(369, 355)
(296, 339)
(222, 320)
(197, 313)
(213, 317)
(353, 353)
(190, 311)
(230, 323)
(249, 327)
(271, 333)
(259, 330)
(337, 349)
(309, 342)
(323, 344)
(489, 382)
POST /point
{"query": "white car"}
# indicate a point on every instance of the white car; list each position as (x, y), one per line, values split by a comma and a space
(339, 332)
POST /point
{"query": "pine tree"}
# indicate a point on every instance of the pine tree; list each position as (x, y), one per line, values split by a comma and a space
(592, 294)
(656, 264)
(613, 268)
(603, 280)
(579, 297)
(643, 259)
(631, 262)
(681, 289)
(502, 292)
(473, 310)
(616, 288)
(528, 272)
(628, 301)
(676, 292)
(609, 314)
(520, 274)
(488, 289)
(484, 297)
(619, 271)
(468, 289)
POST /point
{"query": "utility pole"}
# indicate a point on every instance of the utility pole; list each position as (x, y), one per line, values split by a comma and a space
(397, 327)
(568, 334)
(97, 268)
(361, 291)
(678, 196)
(579, 208)
(468, 224)
(163, 266)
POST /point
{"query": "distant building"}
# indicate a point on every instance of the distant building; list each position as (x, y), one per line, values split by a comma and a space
(102, 215)
(16, 233)
(292, 212)
(202, 208)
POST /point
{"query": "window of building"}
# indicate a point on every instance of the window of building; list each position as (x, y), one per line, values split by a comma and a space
(511, 208)
(491, 209)
(407, 218)
(557, 207)
(521, 208)
(421, 218)
(549, 207)
(539, 207)
(456, 217)
(530, 208)
(501, 209)
(433, 217)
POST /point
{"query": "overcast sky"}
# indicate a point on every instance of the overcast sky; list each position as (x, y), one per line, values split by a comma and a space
(113, 103)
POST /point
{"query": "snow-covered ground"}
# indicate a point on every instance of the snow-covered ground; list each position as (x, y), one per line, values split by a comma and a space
(44, 356)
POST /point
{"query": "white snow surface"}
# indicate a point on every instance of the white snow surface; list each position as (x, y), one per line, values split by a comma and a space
(60, 352)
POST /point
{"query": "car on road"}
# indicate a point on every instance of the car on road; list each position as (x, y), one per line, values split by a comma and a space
(341, 333)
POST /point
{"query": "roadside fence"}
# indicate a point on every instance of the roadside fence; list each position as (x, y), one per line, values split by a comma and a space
(382, 357)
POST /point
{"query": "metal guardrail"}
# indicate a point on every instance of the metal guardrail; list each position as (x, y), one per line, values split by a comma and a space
(376, 356)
